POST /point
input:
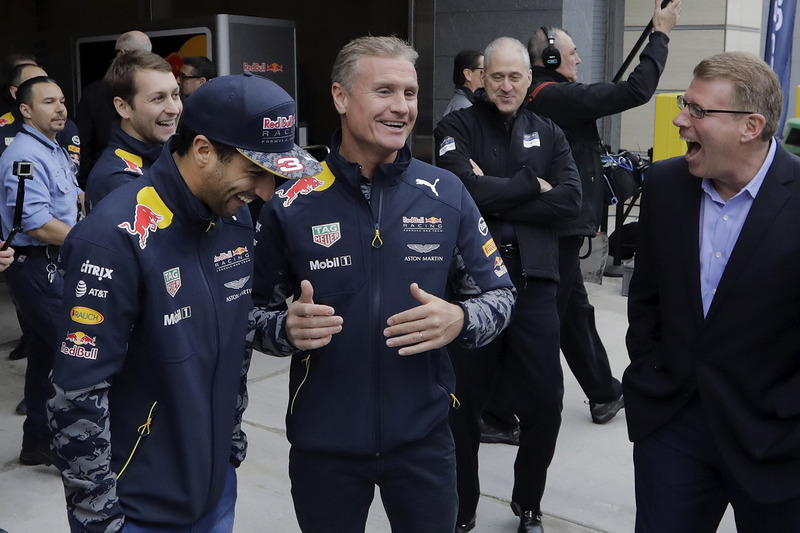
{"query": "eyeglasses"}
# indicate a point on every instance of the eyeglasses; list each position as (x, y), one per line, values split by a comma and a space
(698, 112)
(181, 77)
(477, 68)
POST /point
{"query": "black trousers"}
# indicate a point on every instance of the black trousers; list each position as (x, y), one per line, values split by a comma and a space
(580, 343)
(526, 355)
(683, 483)
(38, 297)
(416, 482)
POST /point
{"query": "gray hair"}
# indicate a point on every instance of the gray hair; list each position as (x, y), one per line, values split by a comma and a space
(346, 64)
(505, 42)
(134, 40)
(539, 42)
(756, 88)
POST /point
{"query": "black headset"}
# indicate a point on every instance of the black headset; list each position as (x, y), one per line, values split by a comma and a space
(551, 57)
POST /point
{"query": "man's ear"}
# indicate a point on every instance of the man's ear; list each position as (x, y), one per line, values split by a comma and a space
(339, 98)
(754, 125)
(202, 151)
(202, 80)
(123, 108)
(25, 110)
(12, 89)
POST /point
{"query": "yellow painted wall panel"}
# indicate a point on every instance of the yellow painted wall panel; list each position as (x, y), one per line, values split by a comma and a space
(666, 139)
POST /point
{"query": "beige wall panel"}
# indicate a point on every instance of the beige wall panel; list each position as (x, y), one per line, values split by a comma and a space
(637, 127)
(639, 12)
(743, 41)
(745, 13)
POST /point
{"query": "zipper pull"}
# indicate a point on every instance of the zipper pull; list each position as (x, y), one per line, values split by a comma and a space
(377, 242)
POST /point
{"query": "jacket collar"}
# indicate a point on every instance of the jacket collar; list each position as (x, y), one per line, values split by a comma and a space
(351, 172)
(148, 152)
(173, 190)
(541, 74)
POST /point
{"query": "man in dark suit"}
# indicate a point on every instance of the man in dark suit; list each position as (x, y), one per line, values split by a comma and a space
(713, 388)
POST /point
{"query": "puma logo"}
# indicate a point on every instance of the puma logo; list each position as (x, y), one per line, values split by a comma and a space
(429, 184)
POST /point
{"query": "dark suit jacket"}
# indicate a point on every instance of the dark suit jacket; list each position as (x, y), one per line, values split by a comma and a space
(743, 359)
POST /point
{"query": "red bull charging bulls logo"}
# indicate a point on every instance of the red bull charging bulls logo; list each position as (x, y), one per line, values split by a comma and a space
(80, 342)
(145, 221)
(305, 186)
(302, 186)
(151, 213)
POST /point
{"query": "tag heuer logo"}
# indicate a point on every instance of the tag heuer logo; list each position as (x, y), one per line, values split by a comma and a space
(326, 234)
(172, 279)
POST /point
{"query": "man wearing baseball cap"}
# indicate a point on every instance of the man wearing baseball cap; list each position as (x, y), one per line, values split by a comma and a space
(149, 376)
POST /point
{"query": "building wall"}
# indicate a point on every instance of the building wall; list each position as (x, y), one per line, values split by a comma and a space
(704, 29)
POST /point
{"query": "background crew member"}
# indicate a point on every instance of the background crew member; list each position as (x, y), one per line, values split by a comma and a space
(366, 248)
(575, 107)
(10, 124)
(147, 101)
(518, 168)
(95, 114)
(467, 78)
(195, 71)
(50, 209)
(154, 324)
(713, 402)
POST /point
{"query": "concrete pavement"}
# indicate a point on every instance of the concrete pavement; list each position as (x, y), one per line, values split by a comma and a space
(590, 482)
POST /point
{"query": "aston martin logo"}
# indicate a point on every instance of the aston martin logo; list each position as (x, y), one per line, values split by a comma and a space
(423, 248)
(238, 283)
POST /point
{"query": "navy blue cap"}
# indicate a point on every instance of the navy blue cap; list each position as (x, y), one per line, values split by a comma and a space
(253, 115)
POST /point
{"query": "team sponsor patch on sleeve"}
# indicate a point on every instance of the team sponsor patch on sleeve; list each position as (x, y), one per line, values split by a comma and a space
(499, 267)
(489, 248)
(529, 140)
(80, 345)
(448, 144)
(85, 315)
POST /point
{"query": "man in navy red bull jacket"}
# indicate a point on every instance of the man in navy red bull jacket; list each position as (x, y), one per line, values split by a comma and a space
(147, 100)
(371, 248)
(150, 368)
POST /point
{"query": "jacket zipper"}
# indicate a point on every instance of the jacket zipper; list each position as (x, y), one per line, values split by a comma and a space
(216, 343)
(376, 244)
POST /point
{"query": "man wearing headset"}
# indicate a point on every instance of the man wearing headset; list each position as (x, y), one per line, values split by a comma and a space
(576, 107)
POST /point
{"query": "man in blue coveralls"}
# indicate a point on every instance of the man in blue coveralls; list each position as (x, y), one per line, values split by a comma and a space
(49, 211)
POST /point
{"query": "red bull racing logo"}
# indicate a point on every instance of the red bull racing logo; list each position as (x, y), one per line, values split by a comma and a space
(231, 258)
(151, 214)
(80, 342)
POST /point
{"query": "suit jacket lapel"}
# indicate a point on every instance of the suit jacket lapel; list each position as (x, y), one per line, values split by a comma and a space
(690, 229)
(766, 205)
